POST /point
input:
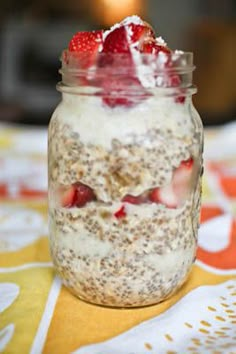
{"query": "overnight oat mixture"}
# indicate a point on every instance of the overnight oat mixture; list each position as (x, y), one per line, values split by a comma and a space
(124, 173)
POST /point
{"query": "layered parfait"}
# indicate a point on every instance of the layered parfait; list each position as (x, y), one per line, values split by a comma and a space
(124, 169)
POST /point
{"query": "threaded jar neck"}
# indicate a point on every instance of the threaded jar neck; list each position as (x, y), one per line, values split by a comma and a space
(167, 73)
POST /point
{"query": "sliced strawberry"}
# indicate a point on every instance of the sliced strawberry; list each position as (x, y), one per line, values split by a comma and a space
(121, 38)
(133, 199)
(182, 179)
(121, 213)
(68, 196)
(117, 42)
(77, 195)
(113, 102)
(139, 33)
(138, 199)
(86, 42)
(152, 47)
(182, 174)
(115, 92)
(174, 194)
(154, 195)
(164, 195)
(180, 99)
(87, 46)
(187, 164)
(175, 81)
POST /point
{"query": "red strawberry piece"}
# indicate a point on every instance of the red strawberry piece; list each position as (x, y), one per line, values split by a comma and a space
(139, 199)
(67, 196)
(133, 199)
(116, 41)
(175, 82)
(188, 164)
(182, 178)
(154, 195)
(113, 102)
(164, 195)
(86, 45)
(180, 99)
(77, 195)
(174, 194)
(152, 47)
(183, 173)
(121, 213)
(120, 39)
(86, 42)
(140, 33)
(115, 92)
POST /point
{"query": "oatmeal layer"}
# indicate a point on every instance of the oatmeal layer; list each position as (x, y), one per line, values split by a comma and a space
(137, 260)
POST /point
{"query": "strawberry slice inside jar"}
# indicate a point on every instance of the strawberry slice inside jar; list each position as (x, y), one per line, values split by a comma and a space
(76, 195)
(175, 194)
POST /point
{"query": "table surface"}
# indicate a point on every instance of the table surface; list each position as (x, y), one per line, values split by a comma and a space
(38, 315)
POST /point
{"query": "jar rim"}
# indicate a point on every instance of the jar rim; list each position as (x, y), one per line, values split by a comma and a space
(151, 71)
(74, 62)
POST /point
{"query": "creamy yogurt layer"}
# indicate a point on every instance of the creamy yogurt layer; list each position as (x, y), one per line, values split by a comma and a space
(106, 124)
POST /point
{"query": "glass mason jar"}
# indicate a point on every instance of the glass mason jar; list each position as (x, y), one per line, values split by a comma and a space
(125, 166)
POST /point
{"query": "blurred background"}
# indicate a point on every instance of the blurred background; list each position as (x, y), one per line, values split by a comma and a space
(33, 34)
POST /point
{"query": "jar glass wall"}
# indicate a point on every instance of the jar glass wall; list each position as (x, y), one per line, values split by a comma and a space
(125, 182)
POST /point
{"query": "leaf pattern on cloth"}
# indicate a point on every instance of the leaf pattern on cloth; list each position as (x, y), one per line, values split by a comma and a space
(218, 229)
(19, 227)
(5, 336)
(8, 294)
(201, 322)
(217, 243)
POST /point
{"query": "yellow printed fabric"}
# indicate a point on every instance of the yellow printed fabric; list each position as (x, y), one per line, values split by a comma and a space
(38, 315)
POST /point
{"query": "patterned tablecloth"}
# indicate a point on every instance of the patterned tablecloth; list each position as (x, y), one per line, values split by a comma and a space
(38, 315)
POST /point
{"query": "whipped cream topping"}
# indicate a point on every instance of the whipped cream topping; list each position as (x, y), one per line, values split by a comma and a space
(136, 20)
(161, 41)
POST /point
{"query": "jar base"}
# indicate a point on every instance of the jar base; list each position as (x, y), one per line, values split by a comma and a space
(128, 306)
